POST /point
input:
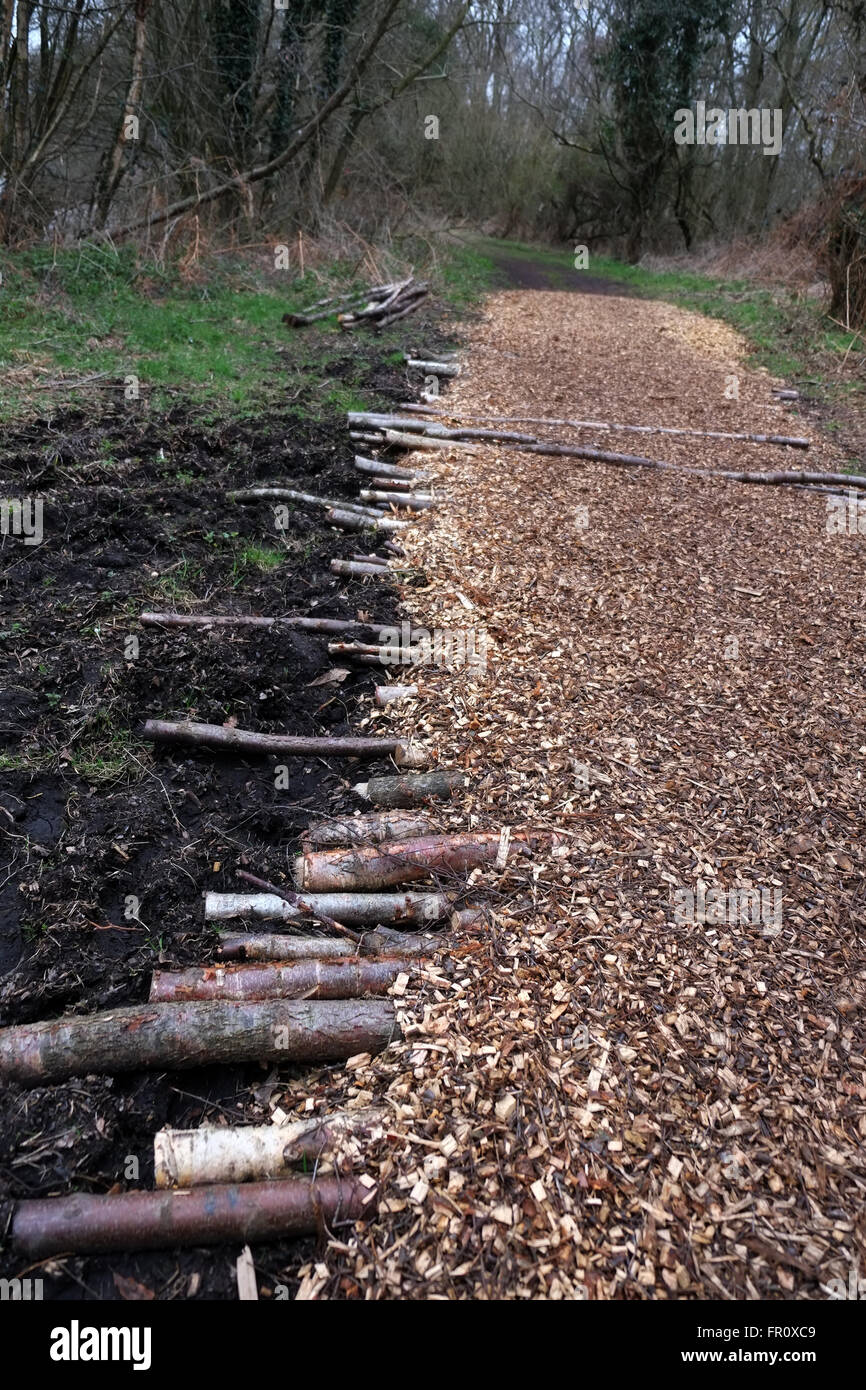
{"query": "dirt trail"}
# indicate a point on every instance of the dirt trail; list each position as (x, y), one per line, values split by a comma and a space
(607, 1100)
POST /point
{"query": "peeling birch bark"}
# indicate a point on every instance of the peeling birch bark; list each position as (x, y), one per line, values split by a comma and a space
(377, 866)
(353, 909)
(352, 978)
(256, 1153)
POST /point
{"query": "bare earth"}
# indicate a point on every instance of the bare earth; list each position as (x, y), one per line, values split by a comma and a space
(600, 1099)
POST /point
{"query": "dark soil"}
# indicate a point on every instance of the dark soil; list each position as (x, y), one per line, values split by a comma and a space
(109, 844)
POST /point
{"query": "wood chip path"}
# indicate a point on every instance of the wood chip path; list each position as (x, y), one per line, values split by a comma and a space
(597, 1098)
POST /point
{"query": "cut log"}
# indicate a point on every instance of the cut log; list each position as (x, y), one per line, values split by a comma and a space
(392, 694)
(257, 1153)
(357, 569)
(468, 918)
(412, 791)
(356, 909)
(255, 1211)
(380, 943)
(147, 1036)
(302, 979)
(414, 501)
(392, 485)
(368, 829)
(433, 368)
(389, 470)
(377, 866)
(269, 946)
(244, 620)
(420, 441)
(356, 521)
(245, 741)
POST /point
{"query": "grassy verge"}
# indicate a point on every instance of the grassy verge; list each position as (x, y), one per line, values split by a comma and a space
(98, 324)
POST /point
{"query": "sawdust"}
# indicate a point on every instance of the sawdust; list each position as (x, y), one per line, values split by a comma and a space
(595, 1097)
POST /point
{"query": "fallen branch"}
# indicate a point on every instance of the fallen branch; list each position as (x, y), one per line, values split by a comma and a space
(254, 1211)
(381, 560)
(382, 653)
(289, 494)
(411, 791)
(164, 1036)
(244, 620)
(793, 442)
(348, 520)
(356, 909)
(302, 979)
(377, 866)
(245, 1153)
(245, 741)
(359, 419)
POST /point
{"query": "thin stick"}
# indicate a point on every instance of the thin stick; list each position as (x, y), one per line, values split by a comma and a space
(791, 442)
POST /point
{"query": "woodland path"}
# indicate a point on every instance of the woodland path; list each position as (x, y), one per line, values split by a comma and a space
(607, 1101)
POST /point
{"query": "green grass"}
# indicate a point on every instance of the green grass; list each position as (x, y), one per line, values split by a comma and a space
(257, 557)
(148, 334)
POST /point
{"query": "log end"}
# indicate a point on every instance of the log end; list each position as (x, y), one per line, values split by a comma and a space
(409, 753)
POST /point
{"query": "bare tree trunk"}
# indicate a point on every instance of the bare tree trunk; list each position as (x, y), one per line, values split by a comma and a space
(112, 173)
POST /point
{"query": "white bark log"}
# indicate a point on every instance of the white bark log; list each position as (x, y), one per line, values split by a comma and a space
(414, 501)
(250, 1153)
(352, 909)
(391, 694)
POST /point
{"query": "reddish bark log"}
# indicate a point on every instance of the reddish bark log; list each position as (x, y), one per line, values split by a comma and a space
(377, 866)
(254, 1211)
